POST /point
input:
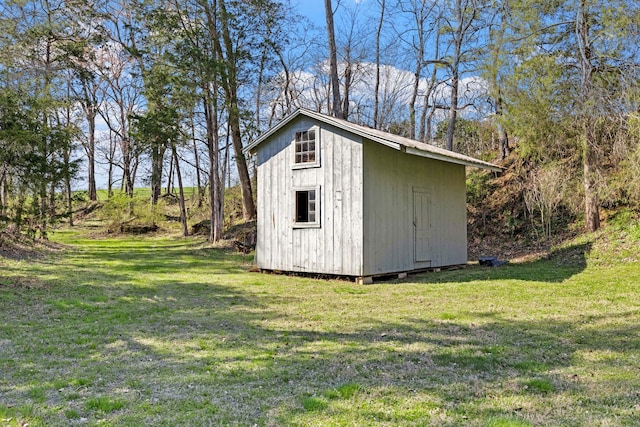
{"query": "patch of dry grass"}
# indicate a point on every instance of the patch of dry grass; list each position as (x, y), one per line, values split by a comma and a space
(15, 246)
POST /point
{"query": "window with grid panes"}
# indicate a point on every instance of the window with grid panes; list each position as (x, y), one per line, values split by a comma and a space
(305, 143)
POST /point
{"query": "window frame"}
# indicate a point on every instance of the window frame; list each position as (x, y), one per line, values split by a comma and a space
(318, 212)
(316, 162)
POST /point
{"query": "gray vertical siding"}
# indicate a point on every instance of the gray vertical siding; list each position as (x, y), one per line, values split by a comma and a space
(335, 247)
(366, 206)
(389, 182)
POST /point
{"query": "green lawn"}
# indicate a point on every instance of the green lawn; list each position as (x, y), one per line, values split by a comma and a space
(169, 332)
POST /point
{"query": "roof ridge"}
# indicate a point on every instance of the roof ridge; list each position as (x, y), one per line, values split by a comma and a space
(408, 145)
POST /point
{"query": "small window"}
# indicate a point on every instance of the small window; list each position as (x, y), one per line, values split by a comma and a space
(305, 143)
(307, 207)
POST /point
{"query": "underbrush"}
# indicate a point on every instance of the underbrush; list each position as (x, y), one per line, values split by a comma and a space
(524, 213)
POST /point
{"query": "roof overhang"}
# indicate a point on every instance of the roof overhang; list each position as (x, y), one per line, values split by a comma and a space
(473, 163)
(392, 141)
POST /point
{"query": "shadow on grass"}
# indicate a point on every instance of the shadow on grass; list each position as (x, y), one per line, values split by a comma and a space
(185, 351)
(558, 266)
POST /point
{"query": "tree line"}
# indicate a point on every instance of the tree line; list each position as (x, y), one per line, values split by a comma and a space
(151, 90)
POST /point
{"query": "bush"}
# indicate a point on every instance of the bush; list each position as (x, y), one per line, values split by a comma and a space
(80, 196)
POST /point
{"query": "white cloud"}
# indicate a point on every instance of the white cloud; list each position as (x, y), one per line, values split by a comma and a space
(311, 90)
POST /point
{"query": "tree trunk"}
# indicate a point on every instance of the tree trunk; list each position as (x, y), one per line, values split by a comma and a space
(183, 209)
(426, 117)
(263, 60)
(591, 202)
(589, 163)
(127, 182)
(210, 105)
(416, 74)
(157, 158)
(91, 157)
(3, 192)
(67, 185)
(453, 108)
(348, 76)
(230, 87)
(503, 136)
(112, 151)
(90, 147)
(286, 92)
(211, 116)
(453, 111)
(464, 23)
(248, 205)
(43, 210)
(412, 102)
(497, 44)
(333, 61)
(196, 158)
(376, 90)
(170, 174)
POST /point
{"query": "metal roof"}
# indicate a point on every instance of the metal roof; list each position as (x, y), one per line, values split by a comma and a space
(409, 146)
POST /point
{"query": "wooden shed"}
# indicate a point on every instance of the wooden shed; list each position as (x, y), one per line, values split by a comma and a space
(342, 199)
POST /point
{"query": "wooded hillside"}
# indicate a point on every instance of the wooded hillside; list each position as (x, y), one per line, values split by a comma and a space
(124, 94)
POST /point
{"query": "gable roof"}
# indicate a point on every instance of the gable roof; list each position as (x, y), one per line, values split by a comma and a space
(396, 142)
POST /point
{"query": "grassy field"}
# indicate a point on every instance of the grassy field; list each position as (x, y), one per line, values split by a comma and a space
(169, 332)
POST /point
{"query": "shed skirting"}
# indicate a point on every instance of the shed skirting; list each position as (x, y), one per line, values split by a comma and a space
(364, 280)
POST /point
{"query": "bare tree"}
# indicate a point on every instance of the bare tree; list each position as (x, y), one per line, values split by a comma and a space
(336, 105)
(420, 12)
(230, 83)
(465, 13)
(498, 26)
(376, 89)
(88, 98)
(123, 91)
(121, 96)
(181, 199)
(353, 52)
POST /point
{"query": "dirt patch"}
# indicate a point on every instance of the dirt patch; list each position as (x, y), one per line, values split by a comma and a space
(512, 249)
(241, 236)
(16, 246)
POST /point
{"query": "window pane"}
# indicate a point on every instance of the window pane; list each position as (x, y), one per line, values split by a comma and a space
(302, 206)
(306, 206)
(305, 145)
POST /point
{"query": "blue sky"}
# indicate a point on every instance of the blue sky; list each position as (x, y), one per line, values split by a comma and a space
(314, 9)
